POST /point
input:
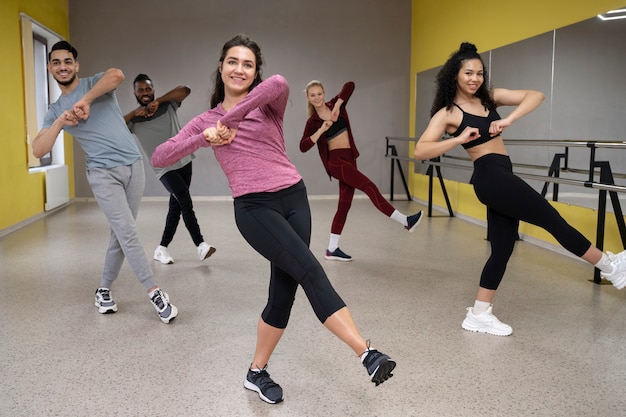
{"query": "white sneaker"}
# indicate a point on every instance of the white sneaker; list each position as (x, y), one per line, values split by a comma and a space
(104, 302)
(618, 275)
(485, 323)
(161, 255)
(161, 302)
(205, 250)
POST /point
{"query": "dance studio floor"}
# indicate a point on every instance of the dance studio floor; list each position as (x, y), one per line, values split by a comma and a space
(407, 293)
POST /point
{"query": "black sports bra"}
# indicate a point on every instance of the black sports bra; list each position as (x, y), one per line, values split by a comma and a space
(336, 128)
(480, 122)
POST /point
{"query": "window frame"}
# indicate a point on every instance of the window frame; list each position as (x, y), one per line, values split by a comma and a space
(40, 89)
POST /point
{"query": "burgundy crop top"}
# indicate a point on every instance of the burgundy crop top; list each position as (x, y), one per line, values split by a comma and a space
(482, 123)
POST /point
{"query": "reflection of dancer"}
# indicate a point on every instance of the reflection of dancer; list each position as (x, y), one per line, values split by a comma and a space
(88, 110)
(153, 122)
(245, 128)
(465, 108)
(328, 126)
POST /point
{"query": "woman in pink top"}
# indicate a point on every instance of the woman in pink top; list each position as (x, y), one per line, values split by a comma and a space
(245, 129)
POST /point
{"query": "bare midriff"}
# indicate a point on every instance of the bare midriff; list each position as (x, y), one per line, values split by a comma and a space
(495, 145)
(341, 141)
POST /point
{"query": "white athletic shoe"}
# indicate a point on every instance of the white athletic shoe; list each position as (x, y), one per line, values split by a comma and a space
(618, 275)
(205, 250)
(161, 255)
(485, 322)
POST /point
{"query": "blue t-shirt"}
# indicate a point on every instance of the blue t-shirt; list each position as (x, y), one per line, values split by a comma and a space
(104, 137)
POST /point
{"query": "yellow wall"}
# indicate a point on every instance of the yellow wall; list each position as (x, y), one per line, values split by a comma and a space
(438, 28)
(22, 194)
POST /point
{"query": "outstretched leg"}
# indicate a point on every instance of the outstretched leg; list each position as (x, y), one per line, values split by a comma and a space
(342, 166)
(278, 226)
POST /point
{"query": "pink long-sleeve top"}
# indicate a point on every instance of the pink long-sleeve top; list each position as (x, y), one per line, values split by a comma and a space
(256, 160)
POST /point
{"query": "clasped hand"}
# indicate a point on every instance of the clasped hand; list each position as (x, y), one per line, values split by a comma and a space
(326, 125)
(80, 111)
(148, 110)
(468, 134)
(69, 118)
(219, 135)
(497, 126)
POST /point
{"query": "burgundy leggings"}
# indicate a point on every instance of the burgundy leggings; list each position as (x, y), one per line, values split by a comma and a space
(342, 166)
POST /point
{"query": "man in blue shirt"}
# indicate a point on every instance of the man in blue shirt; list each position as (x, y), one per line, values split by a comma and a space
(89, 111)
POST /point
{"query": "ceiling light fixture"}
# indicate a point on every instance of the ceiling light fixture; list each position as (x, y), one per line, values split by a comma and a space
(613, 14)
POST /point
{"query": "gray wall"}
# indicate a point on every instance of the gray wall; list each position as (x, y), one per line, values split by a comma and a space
(330, 40)
(580, 69)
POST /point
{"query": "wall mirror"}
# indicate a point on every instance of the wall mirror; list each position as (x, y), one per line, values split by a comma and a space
(580, 68)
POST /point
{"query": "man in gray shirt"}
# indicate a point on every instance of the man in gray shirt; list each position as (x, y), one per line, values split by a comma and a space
(89, 111)
(154, 122)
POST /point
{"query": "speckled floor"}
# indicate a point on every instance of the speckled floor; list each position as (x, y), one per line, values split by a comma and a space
(407, 292)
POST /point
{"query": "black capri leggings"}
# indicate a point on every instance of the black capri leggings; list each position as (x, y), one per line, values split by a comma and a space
(278, 226)
(509, 199)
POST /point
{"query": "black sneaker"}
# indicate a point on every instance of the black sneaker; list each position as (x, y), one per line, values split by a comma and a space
(378, 365)
(161, 302)
(413, 220)
(338, 255)
(104, 302)
(260, 381)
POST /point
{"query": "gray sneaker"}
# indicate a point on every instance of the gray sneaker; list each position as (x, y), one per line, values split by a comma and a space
(104, 302)
(260, 382)
(161, 302)
(379, 366)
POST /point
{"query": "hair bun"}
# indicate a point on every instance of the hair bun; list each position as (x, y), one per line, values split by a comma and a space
(468, 47)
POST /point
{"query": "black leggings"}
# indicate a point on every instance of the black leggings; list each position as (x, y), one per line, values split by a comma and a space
(177, 183)
(509, 199)
(278, 226)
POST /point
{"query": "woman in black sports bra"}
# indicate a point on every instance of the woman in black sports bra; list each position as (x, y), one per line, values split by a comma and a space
(465, 108)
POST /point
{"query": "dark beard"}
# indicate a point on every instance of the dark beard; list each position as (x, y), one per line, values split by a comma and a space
(141, 103)
(68, 82)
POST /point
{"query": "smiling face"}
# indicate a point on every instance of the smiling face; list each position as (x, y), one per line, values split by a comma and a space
(470, 76)
(315, 96)
(144, 92)
(63, 67)
(238, 70)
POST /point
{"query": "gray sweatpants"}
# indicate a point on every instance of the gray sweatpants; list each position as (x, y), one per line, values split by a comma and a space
(118, 191)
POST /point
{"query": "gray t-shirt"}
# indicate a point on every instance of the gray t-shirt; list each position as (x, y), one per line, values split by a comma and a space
(156, 129)
(104, 137)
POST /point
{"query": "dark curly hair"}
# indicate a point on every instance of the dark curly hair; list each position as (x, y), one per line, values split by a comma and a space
(141, 77)
(446, 80)
(239, 40)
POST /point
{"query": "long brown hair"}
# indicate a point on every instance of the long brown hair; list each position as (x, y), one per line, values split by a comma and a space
(239, 40)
